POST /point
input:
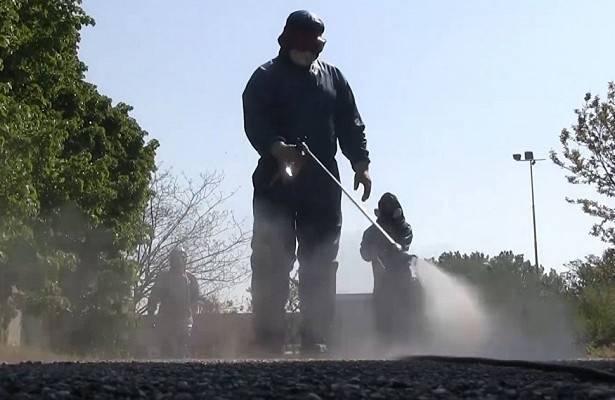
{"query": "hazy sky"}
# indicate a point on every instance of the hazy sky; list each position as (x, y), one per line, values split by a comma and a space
(448, 91)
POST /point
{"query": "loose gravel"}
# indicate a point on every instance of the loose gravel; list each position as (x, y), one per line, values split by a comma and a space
(309, 380)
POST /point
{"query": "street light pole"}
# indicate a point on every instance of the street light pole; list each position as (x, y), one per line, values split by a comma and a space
(534, 212)
(529, 157)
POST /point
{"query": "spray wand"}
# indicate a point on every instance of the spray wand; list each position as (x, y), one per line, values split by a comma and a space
(304, 147)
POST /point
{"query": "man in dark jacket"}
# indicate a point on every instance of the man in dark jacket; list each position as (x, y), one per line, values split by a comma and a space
(296, 97)
(393, 280)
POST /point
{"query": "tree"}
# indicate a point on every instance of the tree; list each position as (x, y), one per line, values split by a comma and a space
(589, 155)
(17, 197)
(192, 215)
(594, 271)
(529, 311)
(592, 283)
(504, 278)
(74, 177)
(27, 133)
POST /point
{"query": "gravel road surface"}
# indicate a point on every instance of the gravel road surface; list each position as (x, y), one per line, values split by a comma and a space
(309, 380)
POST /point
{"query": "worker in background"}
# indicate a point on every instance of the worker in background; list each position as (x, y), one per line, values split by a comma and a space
(393, 280)
(177, 293)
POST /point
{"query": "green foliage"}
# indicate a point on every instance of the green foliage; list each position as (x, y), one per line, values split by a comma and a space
(527, 296)
(504, 277)
(522, 297)
(589, 155)
(73, 180)
(592, 283)
(597, 306)
(594, 271)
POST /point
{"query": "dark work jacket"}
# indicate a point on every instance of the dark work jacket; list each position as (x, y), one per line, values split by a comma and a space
(375, 246)
(283, 101)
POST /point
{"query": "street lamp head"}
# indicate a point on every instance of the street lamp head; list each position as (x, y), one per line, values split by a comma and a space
(517, 157)
(529, 155)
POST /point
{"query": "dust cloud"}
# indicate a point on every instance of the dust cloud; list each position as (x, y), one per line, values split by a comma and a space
(453, 320)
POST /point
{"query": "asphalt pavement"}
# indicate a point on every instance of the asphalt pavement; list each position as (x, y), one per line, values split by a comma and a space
(301, 379)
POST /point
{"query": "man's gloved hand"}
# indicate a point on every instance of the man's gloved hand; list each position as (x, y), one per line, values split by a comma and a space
(287, 155)
(361, 176)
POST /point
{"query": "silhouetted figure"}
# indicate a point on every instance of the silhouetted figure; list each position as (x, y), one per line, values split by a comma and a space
(293, 96)
(177, 292)
(393, 280)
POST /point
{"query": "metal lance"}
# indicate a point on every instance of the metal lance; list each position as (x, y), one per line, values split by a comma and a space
(303, 146)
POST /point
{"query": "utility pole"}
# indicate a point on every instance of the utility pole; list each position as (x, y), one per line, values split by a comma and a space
(529, 157)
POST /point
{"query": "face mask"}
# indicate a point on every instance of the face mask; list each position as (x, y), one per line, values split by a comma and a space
(302, 58)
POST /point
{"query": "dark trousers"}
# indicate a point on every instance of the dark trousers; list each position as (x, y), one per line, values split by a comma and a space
(303, 215)
(393, 299)
(173, 337)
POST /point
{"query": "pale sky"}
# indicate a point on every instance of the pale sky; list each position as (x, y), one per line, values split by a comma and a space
(448, 91)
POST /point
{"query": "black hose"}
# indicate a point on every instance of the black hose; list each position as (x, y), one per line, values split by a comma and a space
(581, 372)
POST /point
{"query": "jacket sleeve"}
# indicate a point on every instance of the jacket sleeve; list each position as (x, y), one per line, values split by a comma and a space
(406, 236)
(258, 112)
(368, 245)
(195, 292)
(349, 126)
